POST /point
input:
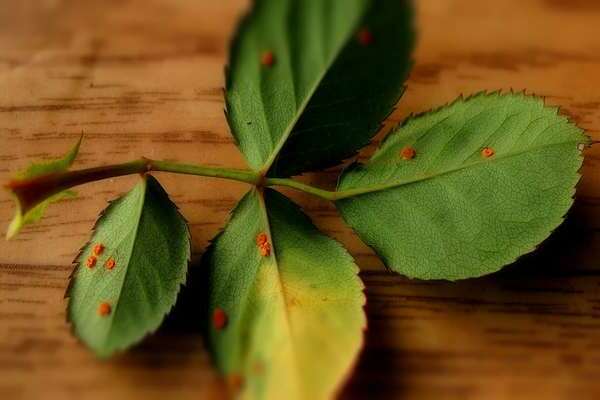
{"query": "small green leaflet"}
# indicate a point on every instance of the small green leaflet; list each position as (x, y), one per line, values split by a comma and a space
(135, 279)
(492, 177)
(311, 80)
(28, 190)
(287, 324)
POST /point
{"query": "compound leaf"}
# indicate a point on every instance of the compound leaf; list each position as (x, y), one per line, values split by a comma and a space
(464, 190)
(311, 80)
(129, 274)
(285, 320)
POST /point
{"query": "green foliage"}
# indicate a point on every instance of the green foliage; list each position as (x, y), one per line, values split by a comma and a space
(328, 88)
(31, 204)
(453, 213)
(148, 240)
(454, 193)
(58, 165)
(294, 317)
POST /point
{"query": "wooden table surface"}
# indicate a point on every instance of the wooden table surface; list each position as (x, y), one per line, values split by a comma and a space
(144, 77)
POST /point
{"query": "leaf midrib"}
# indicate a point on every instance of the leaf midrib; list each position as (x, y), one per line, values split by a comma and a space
(263, 208)
(344, 194)
(300, 110)
(135, 234)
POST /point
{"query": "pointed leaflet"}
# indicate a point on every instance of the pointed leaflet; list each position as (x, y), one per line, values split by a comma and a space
(287, 322)
(136, 275)
(492, 176)
(32, 196)
(323, 73)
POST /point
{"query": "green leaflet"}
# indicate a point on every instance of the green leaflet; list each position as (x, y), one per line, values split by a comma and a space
(294, 317)
(30, 194)
(452, 213)
(59, 165)
(148, 240)
(325, 94)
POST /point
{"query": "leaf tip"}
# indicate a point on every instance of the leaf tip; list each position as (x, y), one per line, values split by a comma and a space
(14, 227)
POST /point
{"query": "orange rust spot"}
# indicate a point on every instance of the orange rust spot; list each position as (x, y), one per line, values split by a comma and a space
(267, 59)
(98, 249)
(220, 319)
(110, 263)
(261, 239)
(408, 153)
(235, 382)
(487, 152)
(265, 249)
(91, 262)
(104, 309)
(364, 37)
(258, 368)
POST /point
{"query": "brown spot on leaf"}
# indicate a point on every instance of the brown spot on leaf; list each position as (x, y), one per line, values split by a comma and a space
(258, 368)
(235, 382)
(364, 37)
(110, 263)
(267, 59)
(261, 239)
(98, 249)
(262, 242)
(220, 319)
(408, 153)
(487, 152)
(104, 309)
(91, 262)
(265, 249)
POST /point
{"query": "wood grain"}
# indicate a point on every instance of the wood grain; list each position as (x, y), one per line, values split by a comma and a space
(145, 78)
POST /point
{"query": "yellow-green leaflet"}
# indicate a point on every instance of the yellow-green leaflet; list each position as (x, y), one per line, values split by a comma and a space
(294, 317)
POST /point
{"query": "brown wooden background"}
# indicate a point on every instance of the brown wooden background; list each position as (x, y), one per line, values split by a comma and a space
(144, 77)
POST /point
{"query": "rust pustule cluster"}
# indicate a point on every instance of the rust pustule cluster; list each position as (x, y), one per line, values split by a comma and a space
(487, 152)
(219, 319)
(408, 153)
(262, 241)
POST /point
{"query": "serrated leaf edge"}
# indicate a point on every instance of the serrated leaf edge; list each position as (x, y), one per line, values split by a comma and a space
(586, 141)
(77, 265)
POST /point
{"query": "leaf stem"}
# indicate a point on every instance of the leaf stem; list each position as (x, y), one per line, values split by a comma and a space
(322, 193)
(32, 191)
(239, 175)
